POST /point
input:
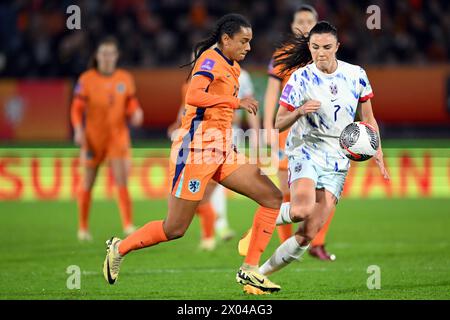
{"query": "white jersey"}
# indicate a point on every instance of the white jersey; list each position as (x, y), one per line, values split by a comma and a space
(245, 85)
(316, 135)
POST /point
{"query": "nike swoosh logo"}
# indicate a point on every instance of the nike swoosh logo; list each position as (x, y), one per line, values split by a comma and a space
(267, 232)
(259, 280)
(333, 100)
(110, 279)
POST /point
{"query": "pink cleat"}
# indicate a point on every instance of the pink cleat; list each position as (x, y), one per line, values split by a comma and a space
(321, 253)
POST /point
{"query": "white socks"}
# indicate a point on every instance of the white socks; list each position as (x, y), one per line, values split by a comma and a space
(287, 252)
(219, 204)
(283, 216)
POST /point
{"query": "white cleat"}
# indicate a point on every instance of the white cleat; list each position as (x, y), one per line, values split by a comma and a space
(226, 234)
(129, 230)
(208, 244)
(84, 236)
(111, 265)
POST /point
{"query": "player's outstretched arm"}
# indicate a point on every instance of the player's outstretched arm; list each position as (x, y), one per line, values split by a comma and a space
(287, 116)
(367, 116)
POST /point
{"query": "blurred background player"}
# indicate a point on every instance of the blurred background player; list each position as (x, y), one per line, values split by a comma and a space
(304, 19)
(105, 97)
(203, 151)
(252, 121)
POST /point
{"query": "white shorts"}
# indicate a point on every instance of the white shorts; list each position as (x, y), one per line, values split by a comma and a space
(330, 180)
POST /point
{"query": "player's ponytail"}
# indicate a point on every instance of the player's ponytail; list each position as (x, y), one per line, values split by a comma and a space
(229, 24)
(294, 53)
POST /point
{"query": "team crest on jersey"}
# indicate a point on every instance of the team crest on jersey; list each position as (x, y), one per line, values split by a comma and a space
(121, 87)
(208, 65)
(298, 167)
(194, 185)
(333, 89)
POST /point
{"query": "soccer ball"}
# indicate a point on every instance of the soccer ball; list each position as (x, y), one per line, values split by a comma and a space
(359, 141)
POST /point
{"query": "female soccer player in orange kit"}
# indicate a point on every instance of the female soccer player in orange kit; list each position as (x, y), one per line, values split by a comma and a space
(304, 19)
(105, 96)
(203, 151)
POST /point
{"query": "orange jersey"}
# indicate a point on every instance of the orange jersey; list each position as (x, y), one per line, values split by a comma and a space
(106, 101)
(203, 148)
(211, 99)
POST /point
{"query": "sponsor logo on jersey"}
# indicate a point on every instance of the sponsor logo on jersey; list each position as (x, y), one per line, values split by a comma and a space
(207, 65)
(78, 88)
(286, 92)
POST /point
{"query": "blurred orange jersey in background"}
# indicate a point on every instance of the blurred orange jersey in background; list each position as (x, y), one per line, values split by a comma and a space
(105, 102)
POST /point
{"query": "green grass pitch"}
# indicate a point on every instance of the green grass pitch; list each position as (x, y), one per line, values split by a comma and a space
(408, 239)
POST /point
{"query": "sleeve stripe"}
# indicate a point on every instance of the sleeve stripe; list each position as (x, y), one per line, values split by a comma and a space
(205, 73)
(275, 76)
(367, 97)
(287, 106)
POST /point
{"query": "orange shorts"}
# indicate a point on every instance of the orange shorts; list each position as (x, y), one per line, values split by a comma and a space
(190, 169)
(93, 153)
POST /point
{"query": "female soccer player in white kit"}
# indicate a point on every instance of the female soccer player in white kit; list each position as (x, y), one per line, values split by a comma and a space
(319, 101)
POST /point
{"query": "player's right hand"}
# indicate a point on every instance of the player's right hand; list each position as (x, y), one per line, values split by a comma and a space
(309, 107)
(78, 137)
(171, 130)
(249, 104)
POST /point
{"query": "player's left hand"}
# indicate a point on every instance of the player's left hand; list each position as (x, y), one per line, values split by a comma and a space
(380, 162)
(137, 118)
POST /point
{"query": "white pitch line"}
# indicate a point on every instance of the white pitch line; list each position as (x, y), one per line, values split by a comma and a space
(154, 271)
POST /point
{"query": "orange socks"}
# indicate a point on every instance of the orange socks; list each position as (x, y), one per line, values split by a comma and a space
(149, 235)
(84, 203)
(207, 219)
(125, 206)
(285, 230)
(319, 239)
(262, 229)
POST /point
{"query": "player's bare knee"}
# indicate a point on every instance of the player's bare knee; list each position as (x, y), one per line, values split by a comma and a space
(300, 213)
(175, 233)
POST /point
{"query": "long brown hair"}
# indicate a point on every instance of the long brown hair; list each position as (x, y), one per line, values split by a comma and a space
(295, 52)
(93, 63)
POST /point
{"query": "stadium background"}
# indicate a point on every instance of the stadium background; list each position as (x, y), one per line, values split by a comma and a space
(407, 61)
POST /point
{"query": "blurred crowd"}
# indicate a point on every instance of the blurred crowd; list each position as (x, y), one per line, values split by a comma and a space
(35, 42)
